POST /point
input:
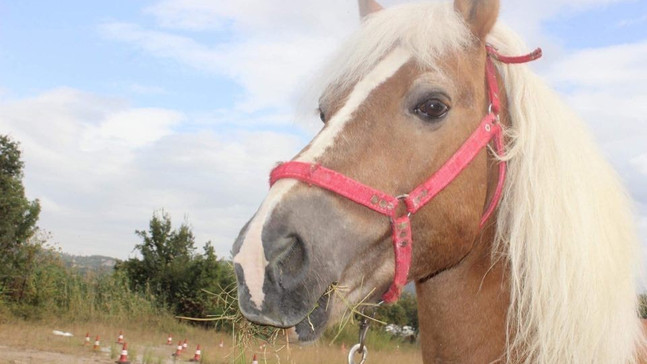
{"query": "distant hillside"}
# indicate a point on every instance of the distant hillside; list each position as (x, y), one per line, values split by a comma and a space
(92, 263)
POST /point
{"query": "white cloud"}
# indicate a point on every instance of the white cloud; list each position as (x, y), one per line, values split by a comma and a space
(255, 17)
(527, 17)
(131, 128)
(632, 21)
(605, 86)
(640, 163)
(619, 65)
(101, 167)
(161, 44)
(642, 225)
(270, 70)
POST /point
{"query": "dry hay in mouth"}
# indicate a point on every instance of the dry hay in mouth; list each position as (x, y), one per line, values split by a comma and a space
(247, 334)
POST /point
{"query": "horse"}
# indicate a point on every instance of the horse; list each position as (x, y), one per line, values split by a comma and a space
(521, 244)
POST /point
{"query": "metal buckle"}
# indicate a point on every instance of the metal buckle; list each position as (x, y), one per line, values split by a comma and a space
(489, 111)
(402, 199)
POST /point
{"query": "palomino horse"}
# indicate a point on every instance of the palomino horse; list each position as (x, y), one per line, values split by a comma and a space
(547, 275)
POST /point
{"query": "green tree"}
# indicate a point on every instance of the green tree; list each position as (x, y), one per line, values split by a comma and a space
(404, 312)
(171, 269)
(165, 254)
(18, 217)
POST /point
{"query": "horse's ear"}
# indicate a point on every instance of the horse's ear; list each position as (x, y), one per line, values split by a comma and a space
(367, 7)
(480, 15)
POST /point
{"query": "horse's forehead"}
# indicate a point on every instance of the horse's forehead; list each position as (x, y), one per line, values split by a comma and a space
(452, 72)
(456, 74)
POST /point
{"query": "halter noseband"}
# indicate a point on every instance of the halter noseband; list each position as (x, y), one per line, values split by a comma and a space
(385, 204)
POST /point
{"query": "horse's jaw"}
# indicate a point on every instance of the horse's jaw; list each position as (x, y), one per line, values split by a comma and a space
(315, 323)
(337, 303)
(341, 301)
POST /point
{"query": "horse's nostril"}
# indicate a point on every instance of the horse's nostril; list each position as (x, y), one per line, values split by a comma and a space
(292, 258)
(289, 261)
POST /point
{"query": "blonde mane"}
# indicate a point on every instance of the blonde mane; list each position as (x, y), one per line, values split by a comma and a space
(565, 226)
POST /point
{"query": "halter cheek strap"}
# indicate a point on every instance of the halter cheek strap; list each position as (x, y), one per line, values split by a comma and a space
(385, 204)
(489, 129)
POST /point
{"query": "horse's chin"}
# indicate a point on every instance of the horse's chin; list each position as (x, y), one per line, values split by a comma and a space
(327, 312)
(315, 323)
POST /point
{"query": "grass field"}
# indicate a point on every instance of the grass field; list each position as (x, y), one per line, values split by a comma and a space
(34, 342)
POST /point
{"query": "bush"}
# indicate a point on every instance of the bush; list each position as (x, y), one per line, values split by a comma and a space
(170, 270)
(404, 312)
(49, 289)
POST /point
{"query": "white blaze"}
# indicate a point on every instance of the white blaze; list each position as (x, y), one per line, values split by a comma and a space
(251, 256)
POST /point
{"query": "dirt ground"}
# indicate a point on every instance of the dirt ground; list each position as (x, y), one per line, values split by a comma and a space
(33, 356)
(29, 356)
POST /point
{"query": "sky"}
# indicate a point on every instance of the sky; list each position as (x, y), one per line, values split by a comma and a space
(124, 108)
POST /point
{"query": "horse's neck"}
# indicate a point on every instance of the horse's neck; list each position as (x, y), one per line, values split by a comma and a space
(462, 311)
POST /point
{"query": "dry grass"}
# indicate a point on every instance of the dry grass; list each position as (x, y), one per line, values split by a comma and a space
(148, 345)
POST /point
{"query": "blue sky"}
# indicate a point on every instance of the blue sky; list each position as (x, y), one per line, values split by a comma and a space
(601, 26)
(127, 107)
(50, 44)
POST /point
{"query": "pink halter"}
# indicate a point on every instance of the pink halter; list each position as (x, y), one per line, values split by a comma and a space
(385, 204)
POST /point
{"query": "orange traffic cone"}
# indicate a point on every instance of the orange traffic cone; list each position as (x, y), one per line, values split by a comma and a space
(254, 360)
(87, 339)
(198, 352)
(178, 351)
(123, 359)
(222, 343)
(97, 344)
(185, 345)
(120, 338)
(169, 340)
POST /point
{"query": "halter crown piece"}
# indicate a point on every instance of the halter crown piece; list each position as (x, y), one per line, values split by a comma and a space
(489, 129)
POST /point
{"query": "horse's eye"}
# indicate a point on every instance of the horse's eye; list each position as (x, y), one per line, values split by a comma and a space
(322, 116)
(431, 110)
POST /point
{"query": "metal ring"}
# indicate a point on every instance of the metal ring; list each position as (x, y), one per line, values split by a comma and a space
(403, 197)
(353, 351)
(489, 111)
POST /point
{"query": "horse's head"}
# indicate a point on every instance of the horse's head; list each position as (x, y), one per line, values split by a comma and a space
(405, 94)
